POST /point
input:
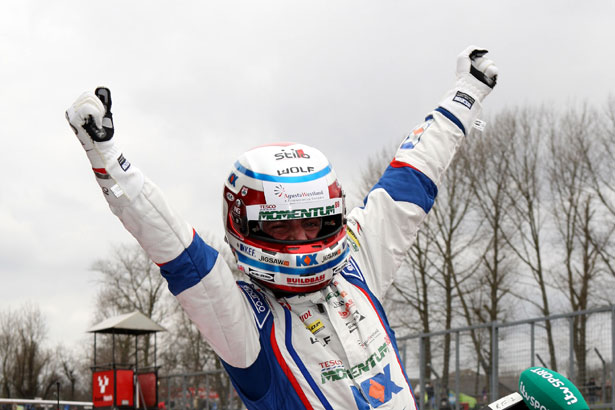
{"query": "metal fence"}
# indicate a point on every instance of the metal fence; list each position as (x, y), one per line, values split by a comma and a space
(210, 390)
(515, 347)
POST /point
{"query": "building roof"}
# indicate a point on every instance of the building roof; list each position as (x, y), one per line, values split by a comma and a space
(135, 323)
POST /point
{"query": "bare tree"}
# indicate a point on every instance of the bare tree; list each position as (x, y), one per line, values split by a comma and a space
(526, 193)
(412, 290)
(531, 205)
(26, 368)
(8, 345)
(453, 231)
(600, 162)
(130, 281)
(71, 376)
(483, 298)
(602, 174)
(582, 236)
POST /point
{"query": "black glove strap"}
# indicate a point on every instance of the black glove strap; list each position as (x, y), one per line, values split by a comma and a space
(479, 75)
(106, 132)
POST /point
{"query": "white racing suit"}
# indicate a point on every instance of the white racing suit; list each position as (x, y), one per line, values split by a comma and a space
(330, 349)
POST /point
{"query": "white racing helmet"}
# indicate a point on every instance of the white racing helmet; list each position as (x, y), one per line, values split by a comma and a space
(279, 182)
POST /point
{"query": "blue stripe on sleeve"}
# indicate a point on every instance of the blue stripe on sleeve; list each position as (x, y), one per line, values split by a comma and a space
(408, 185)
(192, 265)
(451, 117)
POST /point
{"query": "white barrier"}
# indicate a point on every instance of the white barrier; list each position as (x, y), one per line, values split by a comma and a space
(50, 404)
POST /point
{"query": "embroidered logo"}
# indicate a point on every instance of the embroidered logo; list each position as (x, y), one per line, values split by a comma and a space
(464, 99)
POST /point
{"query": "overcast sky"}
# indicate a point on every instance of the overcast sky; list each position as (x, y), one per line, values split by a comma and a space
(195, 83)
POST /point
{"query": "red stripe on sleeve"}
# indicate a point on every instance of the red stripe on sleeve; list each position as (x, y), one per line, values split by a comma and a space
(100, 170)
(398, 164)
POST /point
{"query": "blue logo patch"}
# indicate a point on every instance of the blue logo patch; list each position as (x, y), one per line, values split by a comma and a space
(307, 260)
(232, 178)
(259, 305)
(352, 269)
(246, 249)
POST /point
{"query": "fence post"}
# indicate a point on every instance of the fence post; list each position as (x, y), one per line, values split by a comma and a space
(168, 403)
(184, 392)
(494, 362)
(532, 347)
(422, 373)
(613, 357)
(457, 382)
(571, 349)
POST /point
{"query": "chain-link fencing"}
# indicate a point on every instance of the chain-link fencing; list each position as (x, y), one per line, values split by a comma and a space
(469, 367)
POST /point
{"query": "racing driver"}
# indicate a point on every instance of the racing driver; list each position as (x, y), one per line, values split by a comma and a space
(306, 328)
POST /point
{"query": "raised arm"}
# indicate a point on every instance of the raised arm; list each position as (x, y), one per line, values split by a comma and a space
(196, 274)
(385, 228)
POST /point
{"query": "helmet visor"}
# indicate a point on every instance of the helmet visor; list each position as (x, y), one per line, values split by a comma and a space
(290, 224)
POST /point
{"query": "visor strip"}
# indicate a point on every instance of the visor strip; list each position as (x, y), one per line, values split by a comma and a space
(265, 177)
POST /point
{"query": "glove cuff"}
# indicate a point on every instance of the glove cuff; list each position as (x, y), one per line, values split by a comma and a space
(471, 85)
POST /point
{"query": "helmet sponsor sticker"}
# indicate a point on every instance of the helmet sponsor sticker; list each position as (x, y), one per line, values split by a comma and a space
(247, 249)
(278, 212)
(295, 193)
(307, 260)
(232, 179)
(310, 280)
(295, 170)
(291, 153)
(274, 260)
(267, 277)
(331, 255)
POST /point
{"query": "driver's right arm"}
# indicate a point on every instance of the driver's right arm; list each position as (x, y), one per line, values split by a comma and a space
(196, 274)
